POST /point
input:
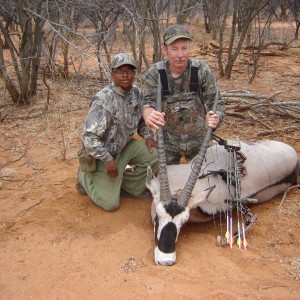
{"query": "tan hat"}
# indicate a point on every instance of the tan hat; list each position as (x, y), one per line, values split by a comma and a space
(175, 32)
(123, 59)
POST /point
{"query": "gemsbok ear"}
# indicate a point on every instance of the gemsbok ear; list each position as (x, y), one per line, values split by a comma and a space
(149, 176)
(152, 183)
(196, 199)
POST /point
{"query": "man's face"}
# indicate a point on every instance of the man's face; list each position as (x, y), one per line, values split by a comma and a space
(123, 76)
(177, 53)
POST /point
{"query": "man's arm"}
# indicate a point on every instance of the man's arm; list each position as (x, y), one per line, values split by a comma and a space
(152, 117)
(95, 125)
(210, 91)
(93, 131)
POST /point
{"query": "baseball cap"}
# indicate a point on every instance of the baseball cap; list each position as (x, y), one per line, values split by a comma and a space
(123, 59)
(175, 32)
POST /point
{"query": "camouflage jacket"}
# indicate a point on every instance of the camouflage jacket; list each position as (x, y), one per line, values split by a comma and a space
(185, 110)
(113, 117)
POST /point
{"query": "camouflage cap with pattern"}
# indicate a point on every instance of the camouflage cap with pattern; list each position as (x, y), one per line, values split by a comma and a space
(123, 59)
(174, 32)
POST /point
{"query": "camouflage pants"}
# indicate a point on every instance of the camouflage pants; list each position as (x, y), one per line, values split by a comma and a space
(175, 150)
(173, 158)
(105, 191)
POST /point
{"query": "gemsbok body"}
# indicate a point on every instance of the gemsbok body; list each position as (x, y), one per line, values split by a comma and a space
(267, 168)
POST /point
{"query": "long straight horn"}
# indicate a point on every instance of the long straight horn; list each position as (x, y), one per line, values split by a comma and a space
(165, 194)
(189, 186)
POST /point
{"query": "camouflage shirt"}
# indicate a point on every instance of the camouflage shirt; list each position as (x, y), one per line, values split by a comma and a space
(185, 110)
(113, 118)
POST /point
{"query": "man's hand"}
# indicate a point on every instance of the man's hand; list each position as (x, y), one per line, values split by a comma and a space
(153, 118)
(112, 169)
(212, 120)
(150, 143)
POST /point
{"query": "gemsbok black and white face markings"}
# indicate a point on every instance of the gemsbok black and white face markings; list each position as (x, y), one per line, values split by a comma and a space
(168, 221)
(269, 169)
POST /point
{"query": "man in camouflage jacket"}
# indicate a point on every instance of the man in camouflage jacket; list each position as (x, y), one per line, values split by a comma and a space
(114, 116)
(186, 112)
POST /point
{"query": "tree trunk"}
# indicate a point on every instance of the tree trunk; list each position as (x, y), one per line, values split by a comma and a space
(142, 48)
(297, 31)
(65, 46)
(207, 23)
(222, 29)
(155, 29)
(11, 49)
(230, 61)
(36, 50)
(25, 58)
(13, 92)
(283, 14)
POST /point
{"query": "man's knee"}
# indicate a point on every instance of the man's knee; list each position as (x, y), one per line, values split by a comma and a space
(106, 204)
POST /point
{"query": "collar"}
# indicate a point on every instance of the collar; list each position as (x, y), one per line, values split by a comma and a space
(120, 91)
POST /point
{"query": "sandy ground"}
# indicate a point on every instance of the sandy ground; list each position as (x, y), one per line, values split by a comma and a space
(55, 244)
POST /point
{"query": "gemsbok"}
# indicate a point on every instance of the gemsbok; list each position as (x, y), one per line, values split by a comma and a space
(263, 170)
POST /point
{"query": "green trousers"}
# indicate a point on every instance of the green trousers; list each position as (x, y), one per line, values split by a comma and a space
(105, 191)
